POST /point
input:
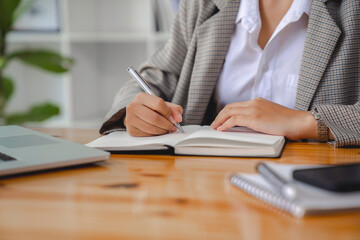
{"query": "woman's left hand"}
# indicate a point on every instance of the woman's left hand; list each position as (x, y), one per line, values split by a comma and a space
(267, 117)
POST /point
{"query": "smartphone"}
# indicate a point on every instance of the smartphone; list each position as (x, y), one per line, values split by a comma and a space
(338, 178)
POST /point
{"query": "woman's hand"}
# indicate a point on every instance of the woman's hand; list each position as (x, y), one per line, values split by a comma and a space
(267, 117)
(149, 115)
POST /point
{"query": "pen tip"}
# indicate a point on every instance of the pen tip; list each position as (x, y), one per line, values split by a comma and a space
(179, 127)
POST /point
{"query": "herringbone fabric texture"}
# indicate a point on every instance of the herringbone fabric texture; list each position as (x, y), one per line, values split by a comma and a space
(186, 69)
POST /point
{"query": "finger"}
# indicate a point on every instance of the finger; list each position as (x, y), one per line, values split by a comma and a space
(222, 116)
(155, 103)
(135, 132)
(150, 129)
(227, 113)
(153, 118)
(237, 120)
(176, 106)
(143, 128)
(176, 112)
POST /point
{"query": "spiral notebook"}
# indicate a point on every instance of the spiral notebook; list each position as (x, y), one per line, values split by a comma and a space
(309, 201)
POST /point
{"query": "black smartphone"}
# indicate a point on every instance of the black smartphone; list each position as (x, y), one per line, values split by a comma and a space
(338, 178)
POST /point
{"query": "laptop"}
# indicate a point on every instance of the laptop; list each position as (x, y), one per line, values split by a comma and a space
(24, 150)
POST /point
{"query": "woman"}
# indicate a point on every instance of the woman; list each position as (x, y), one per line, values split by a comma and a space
(287, 67)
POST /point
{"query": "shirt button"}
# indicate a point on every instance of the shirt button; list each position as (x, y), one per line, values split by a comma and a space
(265, 68)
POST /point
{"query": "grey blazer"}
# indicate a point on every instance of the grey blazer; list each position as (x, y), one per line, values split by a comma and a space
(186, 69)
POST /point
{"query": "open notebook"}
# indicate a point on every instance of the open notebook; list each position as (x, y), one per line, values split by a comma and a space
(309, 201)
(198, 140)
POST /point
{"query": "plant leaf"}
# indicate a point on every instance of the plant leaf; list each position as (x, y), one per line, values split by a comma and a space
(43, 111)
(15, 119)
(7, 88)
(36, 113)
(44, 59)
(8, 8)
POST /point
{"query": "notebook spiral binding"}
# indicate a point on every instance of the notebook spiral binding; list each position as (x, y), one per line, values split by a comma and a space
(269, 197)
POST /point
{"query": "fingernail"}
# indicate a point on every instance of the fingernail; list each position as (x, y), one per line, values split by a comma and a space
(174, 129)
(172, 119)
(221, 128)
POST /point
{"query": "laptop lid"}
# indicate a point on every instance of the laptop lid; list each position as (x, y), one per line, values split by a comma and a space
(24, 150)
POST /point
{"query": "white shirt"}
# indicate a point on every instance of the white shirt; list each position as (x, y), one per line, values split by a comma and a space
(271, 73)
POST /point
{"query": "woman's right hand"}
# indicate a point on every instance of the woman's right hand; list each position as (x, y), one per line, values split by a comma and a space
(148, 115)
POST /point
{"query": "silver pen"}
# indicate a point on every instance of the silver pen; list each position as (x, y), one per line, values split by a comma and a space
(284, 187)
(145, 86)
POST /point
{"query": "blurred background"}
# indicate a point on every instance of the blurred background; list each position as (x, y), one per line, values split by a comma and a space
(103, 37)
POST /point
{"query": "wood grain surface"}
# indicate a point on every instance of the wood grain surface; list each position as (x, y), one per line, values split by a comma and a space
(160, 197)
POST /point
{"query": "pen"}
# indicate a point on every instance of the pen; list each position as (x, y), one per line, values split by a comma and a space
(145, 86)
(284, 187)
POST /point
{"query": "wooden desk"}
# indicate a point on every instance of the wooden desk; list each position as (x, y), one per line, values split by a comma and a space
(159, 197)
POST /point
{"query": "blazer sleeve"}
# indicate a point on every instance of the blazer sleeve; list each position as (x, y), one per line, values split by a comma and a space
(161, 71)
(343, 121)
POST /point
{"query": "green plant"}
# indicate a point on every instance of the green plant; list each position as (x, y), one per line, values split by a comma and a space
(50, 61)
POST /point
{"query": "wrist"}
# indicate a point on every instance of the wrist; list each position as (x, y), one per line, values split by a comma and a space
(303, 126)
(309, 126)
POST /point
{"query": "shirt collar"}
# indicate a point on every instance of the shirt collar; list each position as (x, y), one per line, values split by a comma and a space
(297, 9)
(249, 9)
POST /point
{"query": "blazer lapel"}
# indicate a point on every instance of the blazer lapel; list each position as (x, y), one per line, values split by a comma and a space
(221, 4)
(322, 37)
(213, 40)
